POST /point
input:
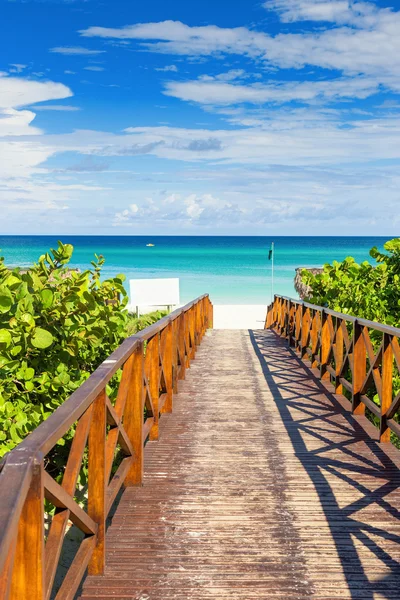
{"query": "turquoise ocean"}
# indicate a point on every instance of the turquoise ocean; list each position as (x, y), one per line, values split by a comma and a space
(233, 270)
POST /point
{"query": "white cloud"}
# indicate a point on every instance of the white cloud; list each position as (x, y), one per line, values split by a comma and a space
(15, 91)
(93, 68)
(75, 50)
(372, 49)
(17, 68)
(56, 107)
(168, 68)
(316, 10)
(210, 91)
(16, 122)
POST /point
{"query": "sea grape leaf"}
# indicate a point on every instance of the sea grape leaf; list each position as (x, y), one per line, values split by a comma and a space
(41, 338)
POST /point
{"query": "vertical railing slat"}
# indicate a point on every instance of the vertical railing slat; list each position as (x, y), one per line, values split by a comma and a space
(97, 482)
(387, 386)
(153, 347)
(359, 368)
(338, 355)
(167, 362)
(325, 345)
(28, 572)
(133, 417)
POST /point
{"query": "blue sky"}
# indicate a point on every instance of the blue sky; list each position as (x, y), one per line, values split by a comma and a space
(278, 116)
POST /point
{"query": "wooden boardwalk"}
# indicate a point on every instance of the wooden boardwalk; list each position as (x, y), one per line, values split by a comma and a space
(261, 486)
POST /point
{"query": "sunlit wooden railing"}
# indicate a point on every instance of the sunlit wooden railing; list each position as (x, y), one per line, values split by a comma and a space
(149, 365)
(360, 358)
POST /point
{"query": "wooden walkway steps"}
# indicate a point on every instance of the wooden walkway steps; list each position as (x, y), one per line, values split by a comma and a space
(261, 486)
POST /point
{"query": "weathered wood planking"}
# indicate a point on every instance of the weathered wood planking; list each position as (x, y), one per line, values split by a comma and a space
(262, 485)
(149, 376)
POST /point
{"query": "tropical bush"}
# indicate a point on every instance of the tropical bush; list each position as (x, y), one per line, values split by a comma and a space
(371, 291)
(136, 324)
(56, 326)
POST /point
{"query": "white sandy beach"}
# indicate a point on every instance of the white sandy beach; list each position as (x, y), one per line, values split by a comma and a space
(239, 316)
(227, 316)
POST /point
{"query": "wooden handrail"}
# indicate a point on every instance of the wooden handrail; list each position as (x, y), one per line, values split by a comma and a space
(360, 358)
(152, 362)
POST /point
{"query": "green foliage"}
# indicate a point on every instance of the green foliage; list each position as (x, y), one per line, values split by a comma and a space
(56, 326)
(364, 290)
(136, 324)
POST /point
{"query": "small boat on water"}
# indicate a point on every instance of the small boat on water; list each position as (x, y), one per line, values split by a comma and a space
(150, 245)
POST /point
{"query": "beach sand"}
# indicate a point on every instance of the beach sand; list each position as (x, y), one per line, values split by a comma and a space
(226, 316)
(239, 316)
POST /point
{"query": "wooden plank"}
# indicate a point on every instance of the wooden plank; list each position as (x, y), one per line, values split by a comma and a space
(28, 572)
(77, 570)
(117, 481)
(359, 368)
(6, 574)
(387, 387)
(97, 482)
(339, 355)
(153, 348)
(325, 346)
(167, 364)
(133, 418)
(306, 488)
(55, 494)
(181, 347)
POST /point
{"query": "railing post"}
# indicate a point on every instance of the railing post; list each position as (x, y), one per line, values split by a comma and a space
(210, 314)
(192, 330)
(167, 363)
(338, 356)
(282, 316)
(305, 317)
(196, 325)
(387, 386)
(28, 572)
(288, 309)
(97, 483)
(204, 317)
(314, 338)
(299, 323)
(325, 345)
(133, 417)
(359, 369)
(175, 325)
(188, 352)
(153, 346)
(181, 346)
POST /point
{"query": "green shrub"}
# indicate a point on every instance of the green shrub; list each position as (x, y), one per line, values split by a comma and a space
(367, 291)
(363, 290)
(56, 326)
(136, 324)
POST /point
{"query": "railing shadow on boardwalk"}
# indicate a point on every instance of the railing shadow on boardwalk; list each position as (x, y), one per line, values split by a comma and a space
(287, 375)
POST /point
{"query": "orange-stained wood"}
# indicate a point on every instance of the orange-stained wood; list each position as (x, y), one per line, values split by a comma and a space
(28, 572)
(325, 345)
(339, 348)
(153, 362)
(387, 387)
(167, 368)
(359, 368)
(358, 356)
(181, 347)
(24, 483)
(133, 419)
(97, 481)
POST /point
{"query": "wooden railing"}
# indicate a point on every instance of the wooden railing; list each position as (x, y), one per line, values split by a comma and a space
(149, 365)
(360, 358)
